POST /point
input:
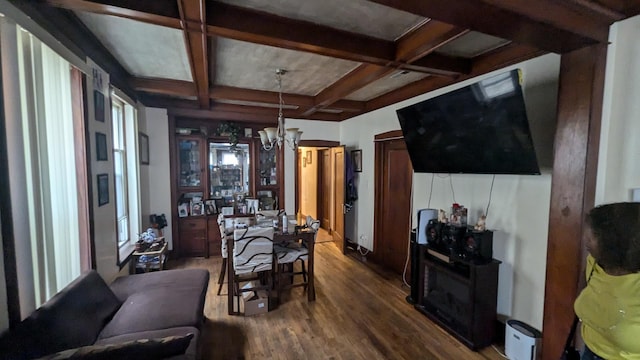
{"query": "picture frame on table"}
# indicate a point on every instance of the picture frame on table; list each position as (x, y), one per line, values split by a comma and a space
(103, 189)
(356, 160)
(101, 147)
(143, 143)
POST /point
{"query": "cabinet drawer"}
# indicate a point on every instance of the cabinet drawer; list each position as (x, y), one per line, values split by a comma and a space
(193, 224)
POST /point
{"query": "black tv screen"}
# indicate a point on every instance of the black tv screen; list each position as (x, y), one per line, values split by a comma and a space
(479, 129)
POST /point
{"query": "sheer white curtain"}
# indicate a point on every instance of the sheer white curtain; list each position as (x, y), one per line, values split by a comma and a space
(46, 103)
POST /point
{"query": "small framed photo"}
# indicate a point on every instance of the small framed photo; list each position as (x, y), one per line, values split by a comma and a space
(183, 210)
(144, 148)
(103, 189)
(248, 132)
(98, 104)
(197, 208)
(210, 207)
(356, 159)
(101, 147)
(308, 157)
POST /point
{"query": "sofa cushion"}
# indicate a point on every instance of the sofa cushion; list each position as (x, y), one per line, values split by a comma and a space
(72, 318)
(157, 309)
(140, 349)
(169, 280)
(190, 353)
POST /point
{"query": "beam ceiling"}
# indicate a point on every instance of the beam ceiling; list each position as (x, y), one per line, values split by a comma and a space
(530, 30)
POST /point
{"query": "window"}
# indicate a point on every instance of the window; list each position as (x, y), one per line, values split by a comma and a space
(120, 172)
(56, 235)
(126, 173)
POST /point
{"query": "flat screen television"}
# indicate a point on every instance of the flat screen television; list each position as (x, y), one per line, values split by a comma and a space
(479, 129)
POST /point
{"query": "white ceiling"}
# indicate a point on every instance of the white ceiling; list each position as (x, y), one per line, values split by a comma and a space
(356, 16)
(144, 50)
(253, 66)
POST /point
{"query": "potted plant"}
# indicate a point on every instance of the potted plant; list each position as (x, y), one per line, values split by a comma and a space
(231, 130)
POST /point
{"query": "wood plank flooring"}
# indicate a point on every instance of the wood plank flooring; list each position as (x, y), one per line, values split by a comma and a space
(358, 314)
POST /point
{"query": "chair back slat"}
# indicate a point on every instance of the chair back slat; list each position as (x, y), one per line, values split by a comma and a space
(252, 250)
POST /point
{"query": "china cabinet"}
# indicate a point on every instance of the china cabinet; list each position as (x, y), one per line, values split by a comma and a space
(209, 173)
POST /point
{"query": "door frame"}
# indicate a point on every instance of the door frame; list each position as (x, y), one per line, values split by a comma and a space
(378, 172)
(307, 143)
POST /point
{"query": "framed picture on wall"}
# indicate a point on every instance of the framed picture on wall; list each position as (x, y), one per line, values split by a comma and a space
(356, 159)
(103, 189)
(144, 149)
(101, 147)
(98, 104)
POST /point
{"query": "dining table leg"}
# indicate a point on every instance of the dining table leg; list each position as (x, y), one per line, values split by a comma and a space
(311, 292)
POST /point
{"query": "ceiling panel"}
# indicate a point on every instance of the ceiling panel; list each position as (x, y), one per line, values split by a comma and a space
(471, 44)
(246, 65)
(145, 50)
(388, 83)
(357, 16)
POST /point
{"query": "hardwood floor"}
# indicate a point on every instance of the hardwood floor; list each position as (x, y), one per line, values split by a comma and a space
(358, 314)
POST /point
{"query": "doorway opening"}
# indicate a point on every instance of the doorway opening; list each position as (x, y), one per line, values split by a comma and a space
(320, 188)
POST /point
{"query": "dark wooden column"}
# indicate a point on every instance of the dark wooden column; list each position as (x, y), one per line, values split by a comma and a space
(572, 188)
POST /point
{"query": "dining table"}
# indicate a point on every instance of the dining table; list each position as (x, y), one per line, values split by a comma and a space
(307, 236)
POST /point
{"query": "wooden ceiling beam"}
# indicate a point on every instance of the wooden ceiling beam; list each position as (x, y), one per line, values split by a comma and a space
(356, 79)
(573, 18)
(163, 13)
(164, 86)
(552, 33)
(261, 28)
(261, 96)
(415, 50)
(425, 40)
(193, 16)
(497, 59)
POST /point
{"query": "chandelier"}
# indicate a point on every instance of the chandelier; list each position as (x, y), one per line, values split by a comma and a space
(271, 136)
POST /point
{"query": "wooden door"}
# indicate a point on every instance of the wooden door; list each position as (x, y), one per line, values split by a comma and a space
(324, 189)
(392, 217)
(337, 159)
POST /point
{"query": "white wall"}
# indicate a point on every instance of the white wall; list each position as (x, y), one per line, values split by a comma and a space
(618, 167)
(519, 204)
(104, 219)
(156, 176)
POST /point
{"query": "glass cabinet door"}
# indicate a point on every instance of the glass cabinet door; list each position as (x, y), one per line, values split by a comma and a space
(189, 162)
(267, 167)
(228, 172)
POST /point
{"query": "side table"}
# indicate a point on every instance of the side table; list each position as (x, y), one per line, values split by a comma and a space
(135, 263)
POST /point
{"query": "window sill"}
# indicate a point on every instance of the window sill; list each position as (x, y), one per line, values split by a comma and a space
(124, 254)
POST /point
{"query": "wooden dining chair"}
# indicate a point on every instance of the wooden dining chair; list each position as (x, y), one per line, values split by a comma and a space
(286, 256)
(252, 255)
(227, 226)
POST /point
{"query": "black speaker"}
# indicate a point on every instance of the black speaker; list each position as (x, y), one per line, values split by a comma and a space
(478, 246)
(415, 268)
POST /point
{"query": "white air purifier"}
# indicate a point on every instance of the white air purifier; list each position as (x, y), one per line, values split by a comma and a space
(522, 341)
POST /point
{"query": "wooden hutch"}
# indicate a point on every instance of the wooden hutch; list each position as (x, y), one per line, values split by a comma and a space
(207, 173)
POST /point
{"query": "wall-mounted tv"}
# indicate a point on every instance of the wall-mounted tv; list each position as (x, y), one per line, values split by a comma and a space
(479, 129)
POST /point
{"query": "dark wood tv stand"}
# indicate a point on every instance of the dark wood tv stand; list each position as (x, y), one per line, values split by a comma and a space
(459, 296)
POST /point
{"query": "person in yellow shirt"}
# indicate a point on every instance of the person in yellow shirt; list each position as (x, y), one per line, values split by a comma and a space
(609, 306)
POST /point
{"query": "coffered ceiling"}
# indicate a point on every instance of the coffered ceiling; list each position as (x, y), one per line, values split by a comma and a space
(217, 59)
